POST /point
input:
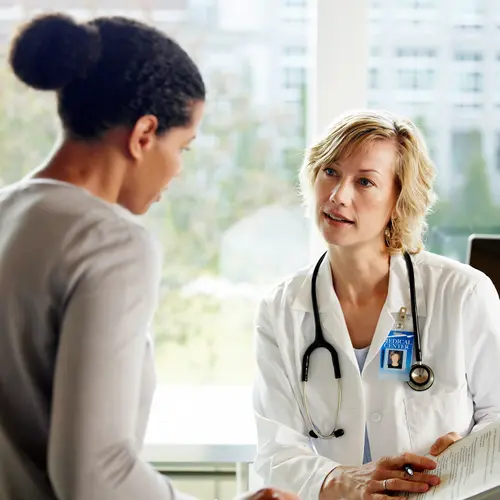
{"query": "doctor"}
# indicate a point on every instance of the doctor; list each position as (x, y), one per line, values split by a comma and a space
(334, 419)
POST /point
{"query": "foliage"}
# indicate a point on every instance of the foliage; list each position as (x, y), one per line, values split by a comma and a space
(28, 127)
(236, 167)
(470, 210)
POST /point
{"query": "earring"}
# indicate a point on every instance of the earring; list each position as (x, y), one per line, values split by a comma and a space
(387, 234)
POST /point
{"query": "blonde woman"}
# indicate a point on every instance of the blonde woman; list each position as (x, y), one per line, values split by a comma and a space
(334, 420)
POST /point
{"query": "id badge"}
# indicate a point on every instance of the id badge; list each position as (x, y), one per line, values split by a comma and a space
(396, 353)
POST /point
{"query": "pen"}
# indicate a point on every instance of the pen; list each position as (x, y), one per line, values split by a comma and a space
(408, 468)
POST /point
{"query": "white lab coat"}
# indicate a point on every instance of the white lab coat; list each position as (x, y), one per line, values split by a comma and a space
(459, 314)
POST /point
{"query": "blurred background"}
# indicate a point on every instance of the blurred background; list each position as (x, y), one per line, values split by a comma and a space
(232, 225)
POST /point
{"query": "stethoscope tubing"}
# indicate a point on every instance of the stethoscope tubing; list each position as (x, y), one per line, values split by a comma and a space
(320, 342)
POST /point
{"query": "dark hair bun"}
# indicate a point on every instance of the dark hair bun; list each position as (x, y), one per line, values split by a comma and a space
(52, 50)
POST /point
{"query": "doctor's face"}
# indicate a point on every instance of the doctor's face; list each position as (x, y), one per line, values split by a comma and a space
(395, 358)
(354, 197)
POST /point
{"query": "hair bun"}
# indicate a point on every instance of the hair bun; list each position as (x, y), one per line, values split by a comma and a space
(52, 50)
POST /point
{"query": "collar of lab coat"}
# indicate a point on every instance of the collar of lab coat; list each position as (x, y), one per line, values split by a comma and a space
(331, 315)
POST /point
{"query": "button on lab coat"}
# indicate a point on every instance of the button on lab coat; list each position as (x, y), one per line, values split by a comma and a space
(459, 313)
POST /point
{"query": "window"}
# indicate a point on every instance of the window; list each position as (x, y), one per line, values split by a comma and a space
(294, 77)
(470, 81)
(416, 67)
(295, 3)
(469, 7)
(416, 4)
(413, 79)
(294, 25)
(468, 16)
(373, 78)
(199, 12)
(228, 218)
(294, 50)
(416, 52)
(495, 76)
(469, 71)
(465, 55)
(470, 27)
(227, 224)
(468, 106)
(497, 151)
(466, 145)
(455, 73)
(6, 30)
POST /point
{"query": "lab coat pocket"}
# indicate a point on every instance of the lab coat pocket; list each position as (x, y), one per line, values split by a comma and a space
(432, 414)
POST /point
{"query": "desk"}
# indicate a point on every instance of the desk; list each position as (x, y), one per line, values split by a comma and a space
(202, 425)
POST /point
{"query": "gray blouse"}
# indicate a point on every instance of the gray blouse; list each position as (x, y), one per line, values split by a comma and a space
(78, 287)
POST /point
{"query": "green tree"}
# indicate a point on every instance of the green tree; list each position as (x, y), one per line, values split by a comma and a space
(472, 205)
(471, 209)
(421, 123)
(28, 127)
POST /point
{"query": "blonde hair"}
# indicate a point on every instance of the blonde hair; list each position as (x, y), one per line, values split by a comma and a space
(415, 171)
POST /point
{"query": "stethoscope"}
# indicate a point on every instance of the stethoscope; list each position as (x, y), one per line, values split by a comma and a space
(421, 376)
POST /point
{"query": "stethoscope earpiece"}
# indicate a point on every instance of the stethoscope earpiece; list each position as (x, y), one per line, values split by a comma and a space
(421, 377)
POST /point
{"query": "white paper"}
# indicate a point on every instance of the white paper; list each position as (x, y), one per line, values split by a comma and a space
(469, 467)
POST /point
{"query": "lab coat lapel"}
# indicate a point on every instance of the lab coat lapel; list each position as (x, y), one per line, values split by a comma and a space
(330, 312)
(397, 297)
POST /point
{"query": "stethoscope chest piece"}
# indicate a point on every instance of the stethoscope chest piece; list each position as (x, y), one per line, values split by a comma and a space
(421, 377)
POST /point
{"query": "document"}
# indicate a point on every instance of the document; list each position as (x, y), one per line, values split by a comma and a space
(470, 468)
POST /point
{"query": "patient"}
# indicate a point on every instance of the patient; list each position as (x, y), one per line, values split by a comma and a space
(79, 274)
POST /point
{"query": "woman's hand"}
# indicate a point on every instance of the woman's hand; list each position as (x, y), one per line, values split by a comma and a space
(270, 494)
(379, 480)
(444, 442)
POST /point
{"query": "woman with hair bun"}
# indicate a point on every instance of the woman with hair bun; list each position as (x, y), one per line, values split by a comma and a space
(78, 274)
